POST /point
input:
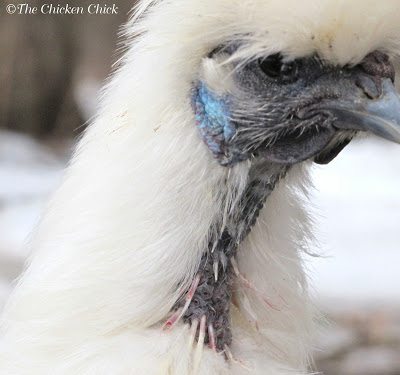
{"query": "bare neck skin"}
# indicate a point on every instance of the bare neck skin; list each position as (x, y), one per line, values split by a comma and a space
(213, 290)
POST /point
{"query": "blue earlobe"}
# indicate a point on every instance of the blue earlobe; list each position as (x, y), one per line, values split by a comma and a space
(213, 121)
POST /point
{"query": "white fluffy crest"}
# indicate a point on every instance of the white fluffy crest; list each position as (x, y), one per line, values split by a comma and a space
(341, 31)
(131, 220)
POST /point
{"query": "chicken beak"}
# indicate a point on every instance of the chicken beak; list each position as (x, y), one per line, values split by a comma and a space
(380, 116)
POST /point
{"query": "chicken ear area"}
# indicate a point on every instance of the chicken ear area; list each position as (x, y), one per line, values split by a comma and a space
(300, 145)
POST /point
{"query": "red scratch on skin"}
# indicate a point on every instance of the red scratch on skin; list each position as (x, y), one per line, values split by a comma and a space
(176, 317)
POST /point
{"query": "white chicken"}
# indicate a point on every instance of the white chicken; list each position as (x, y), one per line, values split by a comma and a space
(173, 245)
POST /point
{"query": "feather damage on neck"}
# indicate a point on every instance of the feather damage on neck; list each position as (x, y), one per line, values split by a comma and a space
(206, 306)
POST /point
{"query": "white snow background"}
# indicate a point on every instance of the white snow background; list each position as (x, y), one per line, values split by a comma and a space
(358, 201)
(29, 172)
(358, 217)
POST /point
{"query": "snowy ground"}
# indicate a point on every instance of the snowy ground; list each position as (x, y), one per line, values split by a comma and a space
(358, 200)
(29, 172)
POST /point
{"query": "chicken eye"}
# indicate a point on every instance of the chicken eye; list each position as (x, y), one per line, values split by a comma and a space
(274, 67)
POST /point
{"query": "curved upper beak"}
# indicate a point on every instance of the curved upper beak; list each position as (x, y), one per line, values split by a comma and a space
(380, 116)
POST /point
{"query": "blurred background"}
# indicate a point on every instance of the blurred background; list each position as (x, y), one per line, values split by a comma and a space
(51, 70)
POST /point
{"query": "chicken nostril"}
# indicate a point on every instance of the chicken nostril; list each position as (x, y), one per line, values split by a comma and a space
(371, 87)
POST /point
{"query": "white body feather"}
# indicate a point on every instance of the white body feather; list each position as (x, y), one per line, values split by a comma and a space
(131, 219)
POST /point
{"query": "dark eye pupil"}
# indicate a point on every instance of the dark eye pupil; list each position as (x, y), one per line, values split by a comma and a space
(274, 67)
(271, 66)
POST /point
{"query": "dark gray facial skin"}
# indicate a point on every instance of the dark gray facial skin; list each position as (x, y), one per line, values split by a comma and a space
(279, 115)
(288, 112)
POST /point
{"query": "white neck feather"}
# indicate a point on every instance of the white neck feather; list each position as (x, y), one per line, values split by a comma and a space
(130, 223)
